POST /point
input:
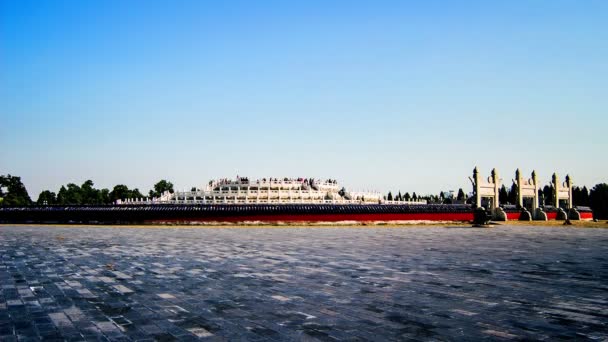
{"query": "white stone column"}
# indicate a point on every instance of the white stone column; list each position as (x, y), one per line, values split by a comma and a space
(535, 204)
(555, 182)
(496, 181)
(569, 184)
(520, 193)
(476, 183)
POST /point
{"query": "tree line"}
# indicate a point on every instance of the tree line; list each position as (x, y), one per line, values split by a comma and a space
(508, 196)
(441, 198)
(14, 193)
(580, 196)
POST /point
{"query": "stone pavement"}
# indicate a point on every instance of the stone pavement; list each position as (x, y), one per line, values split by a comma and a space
(427, 283)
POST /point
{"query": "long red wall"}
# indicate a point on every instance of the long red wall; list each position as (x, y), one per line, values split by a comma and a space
(370, 217)
(514, 216)
(335, 217)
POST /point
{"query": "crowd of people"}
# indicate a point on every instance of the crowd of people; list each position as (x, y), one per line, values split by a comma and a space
(245, 180)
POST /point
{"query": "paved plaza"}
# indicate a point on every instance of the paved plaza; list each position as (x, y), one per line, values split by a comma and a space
(416, 283)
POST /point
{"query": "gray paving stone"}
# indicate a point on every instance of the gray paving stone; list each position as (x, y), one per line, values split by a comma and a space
(427, 283)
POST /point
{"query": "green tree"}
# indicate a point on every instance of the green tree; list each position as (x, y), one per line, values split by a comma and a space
(13, 192)
(414, 196)
(161, 187)
(89, 194)
(47, 198)
(72, 195)
(598, 199)
(104, 194)
(119, 192)
(136, 194)
(389, 197)
(407, 196)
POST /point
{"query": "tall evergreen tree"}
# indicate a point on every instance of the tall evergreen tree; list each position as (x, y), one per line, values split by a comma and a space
(61, 194)
(389, 197)
(503, 195)
(407, 196)
(585, 197)
(414, 196)
(513, 194)
(598, 199)
(461, 196)
(576, 195)
(548, 195)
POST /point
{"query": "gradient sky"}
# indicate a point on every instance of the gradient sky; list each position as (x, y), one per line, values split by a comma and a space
(383, 95)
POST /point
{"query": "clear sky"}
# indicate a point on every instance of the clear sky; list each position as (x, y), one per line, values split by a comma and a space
(385, 95)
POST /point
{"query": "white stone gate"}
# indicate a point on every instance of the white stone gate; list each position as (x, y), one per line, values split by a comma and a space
(488, 189)
(562, 191)
(528, 188)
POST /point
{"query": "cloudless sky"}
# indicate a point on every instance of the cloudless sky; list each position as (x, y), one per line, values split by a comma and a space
(384, 95)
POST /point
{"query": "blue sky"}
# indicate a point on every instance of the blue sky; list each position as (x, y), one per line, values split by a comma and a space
(383, 95)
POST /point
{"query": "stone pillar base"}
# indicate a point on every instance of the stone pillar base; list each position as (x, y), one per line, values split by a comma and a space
(574, 215)
(525, 215)
(540, 215)
(499, 215)
(480, 216)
